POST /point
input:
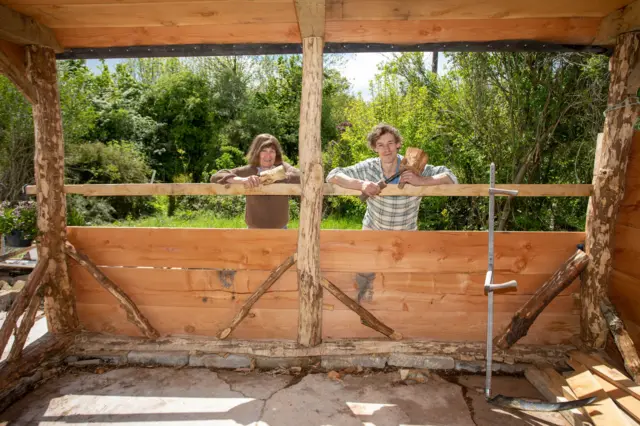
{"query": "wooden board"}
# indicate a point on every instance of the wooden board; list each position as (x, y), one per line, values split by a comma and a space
(450, 190)
(343, 251)
(603, 411)
(607, 372)
(465, 9)
(554, 390)
(627, 250)
(169, 296)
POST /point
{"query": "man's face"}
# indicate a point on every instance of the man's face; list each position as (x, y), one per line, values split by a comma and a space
(267, 157)
(387, 147)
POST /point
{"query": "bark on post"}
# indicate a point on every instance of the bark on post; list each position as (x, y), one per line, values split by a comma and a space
(59, 298)
(22, 332)
(309, 278)
(524, 318)
(608, 188)
(623, 340)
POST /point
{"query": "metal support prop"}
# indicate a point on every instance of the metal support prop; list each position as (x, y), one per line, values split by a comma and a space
(489, 286)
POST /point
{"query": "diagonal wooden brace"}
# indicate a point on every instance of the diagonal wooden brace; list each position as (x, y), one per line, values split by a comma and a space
(366, 317)
(266, 285)
(133, 313)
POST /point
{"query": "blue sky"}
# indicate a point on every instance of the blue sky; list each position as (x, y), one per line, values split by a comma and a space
(359, 69)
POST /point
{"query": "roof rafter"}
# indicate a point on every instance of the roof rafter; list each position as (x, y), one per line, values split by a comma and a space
(311, 17)
(21, 29)
(621, 21)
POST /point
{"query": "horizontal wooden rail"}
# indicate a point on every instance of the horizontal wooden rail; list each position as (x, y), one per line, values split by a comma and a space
(136, 189)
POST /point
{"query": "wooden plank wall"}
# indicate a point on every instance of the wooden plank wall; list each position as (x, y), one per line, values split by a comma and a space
(428, 284)
(624, 288)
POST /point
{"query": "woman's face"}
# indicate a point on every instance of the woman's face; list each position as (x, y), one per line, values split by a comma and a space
(267, 157)
(387, 147)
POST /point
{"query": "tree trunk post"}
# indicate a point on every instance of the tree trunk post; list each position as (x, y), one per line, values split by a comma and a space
(309, 278)
(59, 298)
(608, 188)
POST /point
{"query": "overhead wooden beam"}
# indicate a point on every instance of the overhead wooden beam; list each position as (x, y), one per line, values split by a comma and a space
(461, 190)
(59, 298)
(311, 17)
(12, 64)
(309, 278)
(618, 22)
(21, 29)
(609, 185)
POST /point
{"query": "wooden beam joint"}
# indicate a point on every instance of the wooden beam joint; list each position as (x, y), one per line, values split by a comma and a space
(12, 64)
(21, 29)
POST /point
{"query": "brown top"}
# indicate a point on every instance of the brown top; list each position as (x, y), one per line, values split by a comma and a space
(262, 211)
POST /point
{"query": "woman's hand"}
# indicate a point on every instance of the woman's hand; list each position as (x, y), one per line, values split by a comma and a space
(251, 182)
(370, 188)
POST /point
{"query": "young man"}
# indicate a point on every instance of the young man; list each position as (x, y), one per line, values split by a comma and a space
(388, 213)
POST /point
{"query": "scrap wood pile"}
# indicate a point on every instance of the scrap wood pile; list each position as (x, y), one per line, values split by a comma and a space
(617, 396)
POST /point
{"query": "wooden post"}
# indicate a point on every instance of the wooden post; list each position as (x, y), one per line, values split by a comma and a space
(309, 278)
(22, 332)
(608, 188)
(59, 299)
(524, 318)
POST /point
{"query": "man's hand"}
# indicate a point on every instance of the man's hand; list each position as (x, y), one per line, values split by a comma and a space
(370, 188)
(251, 182)
(411, 178)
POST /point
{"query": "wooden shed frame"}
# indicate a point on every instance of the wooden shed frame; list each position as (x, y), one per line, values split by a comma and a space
(33, 35)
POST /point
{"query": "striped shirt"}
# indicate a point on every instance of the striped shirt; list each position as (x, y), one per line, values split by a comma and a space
(388, 213)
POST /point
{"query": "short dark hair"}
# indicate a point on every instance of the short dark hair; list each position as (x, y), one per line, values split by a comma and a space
(261, 142)
(382, 129)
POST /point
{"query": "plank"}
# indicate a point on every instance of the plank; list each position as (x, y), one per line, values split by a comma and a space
(603, 411)
(558, 30)
(626, 251)
(282, 323)
(167, 14)
(466, 9)
(628, 403)
(624, 292)
(344, 251)
(603, 369)
(140, 280)
(554, 393)
(459, 190)
(22, 29)
(191, 34)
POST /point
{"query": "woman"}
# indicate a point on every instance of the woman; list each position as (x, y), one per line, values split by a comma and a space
(388, 213)
(262, 211)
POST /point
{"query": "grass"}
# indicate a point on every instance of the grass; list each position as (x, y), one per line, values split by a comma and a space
(209, 220)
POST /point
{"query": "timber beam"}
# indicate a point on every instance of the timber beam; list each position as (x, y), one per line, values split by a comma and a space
(21, 29)
(12, 64)
(618, 22)
(311, 17)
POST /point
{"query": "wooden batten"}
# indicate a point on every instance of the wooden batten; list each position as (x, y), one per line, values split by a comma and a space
(609, 185)
(60, 306)
(617, 22)
(310, 314)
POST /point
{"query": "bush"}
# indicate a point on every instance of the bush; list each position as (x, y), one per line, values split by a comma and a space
(21, 216)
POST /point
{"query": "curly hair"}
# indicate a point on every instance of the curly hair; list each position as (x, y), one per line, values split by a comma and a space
(261, 142)
(382, 129)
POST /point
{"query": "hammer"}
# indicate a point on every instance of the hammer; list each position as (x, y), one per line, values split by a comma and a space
(382, 184)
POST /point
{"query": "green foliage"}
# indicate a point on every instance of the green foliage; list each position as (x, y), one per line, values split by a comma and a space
(21, 216)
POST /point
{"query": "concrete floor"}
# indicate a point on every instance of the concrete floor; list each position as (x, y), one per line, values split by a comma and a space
(145, 396)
